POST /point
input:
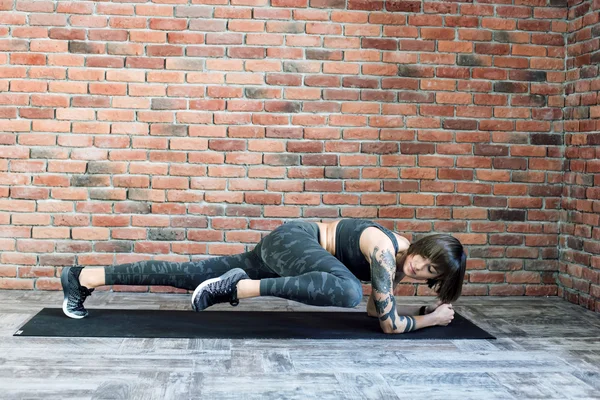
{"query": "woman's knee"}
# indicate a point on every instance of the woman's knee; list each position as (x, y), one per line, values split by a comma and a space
(352, 294)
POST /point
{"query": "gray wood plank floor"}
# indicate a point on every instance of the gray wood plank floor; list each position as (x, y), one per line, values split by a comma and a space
(547, 348)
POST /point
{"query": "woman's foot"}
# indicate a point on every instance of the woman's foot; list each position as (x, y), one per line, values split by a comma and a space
(74, 293)
(218, 290)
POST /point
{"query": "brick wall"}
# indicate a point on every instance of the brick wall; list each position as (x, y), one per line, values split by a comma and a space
(180, 130)
(579, 278)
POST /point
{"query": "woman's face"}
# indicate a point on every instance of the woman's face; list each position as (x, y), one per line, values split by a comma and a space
(417, 267)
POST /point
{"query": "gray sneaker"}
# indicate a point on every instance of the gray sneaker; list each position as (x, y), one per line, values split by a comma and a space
(74, 293)
(218, 290)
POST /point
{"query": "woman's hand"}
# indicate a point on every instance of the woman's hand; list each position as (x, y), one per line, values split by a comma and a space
(444, 314)
(432, 307)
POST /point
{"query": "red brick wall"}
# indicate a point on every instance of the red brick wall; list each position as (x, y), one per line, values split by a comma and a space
(133, 130)
(579, 278)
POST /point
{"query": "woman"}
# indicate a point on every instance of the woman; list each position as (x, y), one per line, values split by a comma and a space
(310, 262)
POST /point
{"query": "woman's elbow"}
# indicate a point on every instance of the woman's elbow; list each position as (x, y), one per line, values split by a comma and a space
(387, 328)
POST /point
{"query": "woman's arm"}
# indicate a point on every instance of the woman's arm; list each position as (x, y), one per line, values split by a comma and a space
(403, 310)
(398, 276)
(383, 266)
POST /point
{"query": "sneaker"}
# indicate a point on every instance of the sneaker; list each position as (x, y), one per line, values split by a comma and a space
(74, 293)
(218, 290)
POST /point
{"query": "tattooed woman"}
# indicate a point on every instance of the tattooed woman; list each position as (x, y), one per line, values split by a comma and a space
(314, 263)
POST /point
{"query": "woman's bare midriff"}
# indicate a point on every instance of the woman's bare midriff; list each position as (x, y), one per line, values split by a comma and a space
(327, 236)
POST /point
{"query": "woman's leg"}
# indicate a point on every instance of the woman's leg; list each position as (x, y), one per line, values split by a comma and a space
(308, 273)
(183, 275)
(78, 283)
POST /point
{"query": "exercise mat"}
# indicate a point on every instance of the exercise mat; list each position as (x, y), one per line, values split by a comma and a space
(51, 322)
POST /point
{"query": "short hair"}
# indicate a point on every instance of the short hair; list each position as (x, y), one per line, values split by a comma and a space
(448, 257)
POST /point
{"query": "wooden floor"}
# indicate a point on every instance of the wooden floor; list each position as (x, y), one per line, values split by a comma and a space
(547, 348)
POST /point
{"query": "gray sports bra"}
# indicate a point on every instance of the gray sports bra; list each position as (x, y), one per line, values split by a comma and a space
(347, 245)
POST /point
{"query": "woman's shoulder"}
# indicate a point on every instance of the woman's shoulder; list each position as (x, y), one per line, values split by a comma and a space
(374, 237)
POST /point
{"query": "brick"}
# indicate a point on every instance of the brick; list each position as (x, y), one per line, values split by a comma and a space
(460, 124)
(510, 87)
(47, 19)
(185, 38)
(416, 199)
(86, 48)
(130, 49)
(13, 45)
(403, 6)
(88, 21)
(156, 10)
(66, 34)
(531, 76)
(163, 51)
(105, 62)
(142, 62)
(328, 4)
(168, 24)
(146, 36)
(27, 59)
(11, 113)
(486, 277)
(50, 46)
(114, 89)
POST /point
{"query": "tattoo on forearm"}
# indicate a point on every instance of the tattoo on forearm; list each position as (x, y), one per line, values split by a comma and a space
(410, 323)
(383, 266)
(390, 314)
(380, 306)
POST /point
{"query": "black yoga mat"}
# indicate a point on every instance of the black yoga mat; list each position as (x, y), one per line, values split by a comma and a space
(51, 322)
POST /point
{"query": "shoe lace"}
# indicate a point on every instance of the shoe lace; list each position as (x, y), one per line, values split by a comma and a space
(85, 292)
(82, 294)
(225, 290)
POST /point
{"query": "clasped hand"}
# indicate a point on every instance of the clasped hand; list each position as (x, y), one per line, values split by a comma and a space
(444, 313)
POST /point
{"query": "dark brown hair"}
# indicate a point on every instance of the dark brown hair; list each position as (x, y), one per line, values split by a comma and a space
(447, 256)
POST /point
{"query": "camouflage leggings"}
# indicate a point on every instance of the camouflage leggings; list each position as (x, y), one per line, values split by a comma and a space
(289, 262)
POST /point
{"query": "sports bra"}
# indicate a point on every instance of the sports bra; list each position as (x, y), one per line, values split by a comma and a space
(347, 245)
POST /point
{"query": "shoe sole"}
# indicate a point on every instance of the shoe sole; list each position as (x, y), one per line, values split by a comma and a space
(209, 281)
(64, 280)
